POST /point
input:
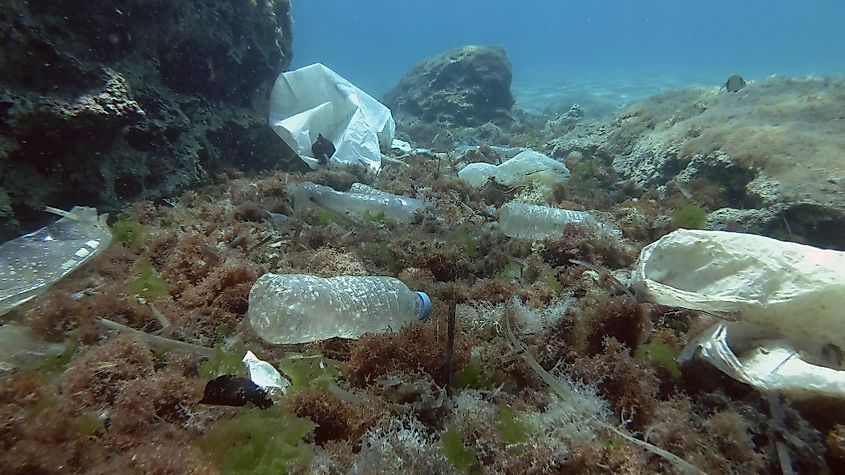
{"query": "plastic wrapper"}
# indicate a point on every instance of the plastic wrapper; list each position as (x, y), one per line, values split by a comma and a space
(783, 299)
(315, 100)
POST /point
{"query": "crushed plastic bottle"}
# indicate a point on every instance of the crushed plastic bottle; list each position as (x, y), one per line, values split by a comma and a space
(300, 308)
(525, 168)
(30, 264)
(527, 221)
(361, 199)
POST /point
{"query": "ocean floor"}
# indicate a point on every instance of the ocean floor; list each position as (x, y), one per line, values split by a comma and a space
(555, 367)
(599, 97)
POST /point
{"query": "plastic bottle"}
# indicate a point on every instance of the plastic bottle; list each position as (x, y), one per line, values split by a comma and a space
(359, 200)
(299, 308)
(522, 220)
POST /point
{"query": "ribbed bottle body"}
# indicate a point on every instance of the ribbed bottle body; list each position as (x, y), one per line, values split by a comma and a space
(299, 308)
(359, 200)
(527, 221)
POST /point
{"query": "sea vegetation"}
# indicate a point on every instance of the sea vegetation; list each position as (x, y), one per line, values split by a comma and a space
(148, 284)
(259, 442)
(128, 232)
(553, 366)
(689, 216)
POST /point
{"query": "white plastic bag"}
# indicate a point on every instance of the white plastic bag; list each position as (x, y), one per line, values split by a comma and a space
(788, 299)
(315, 100)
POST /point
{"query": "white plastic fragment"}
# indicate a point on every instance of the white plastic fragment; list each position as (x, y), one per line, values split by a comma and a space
(264, 374)
(401, 146)
(315, 100)
(788, 299)
(30, 264)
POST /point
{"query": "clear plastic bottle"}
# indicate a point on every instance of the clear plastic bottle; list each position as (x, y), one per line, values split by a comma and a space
(527, 221)
(300, 308)
(359, 200)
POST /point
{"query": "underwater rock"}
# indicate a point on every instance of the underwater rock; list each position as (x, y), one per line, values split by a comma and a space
(464, 86)
(103, 106)
(775, 148)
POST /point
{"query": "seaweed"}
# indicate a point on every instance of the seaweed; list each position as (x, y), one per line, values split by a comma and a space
(335, 418)
(461, 457)
(51, 366)
(467, 243)
(474, 376)
(148, 284)
(128, 232)
(689, 216)
(377, 218)
(513, 429)
(308, 370)
(662, 355)
(224, 363)
(571, 397)
(259, 442)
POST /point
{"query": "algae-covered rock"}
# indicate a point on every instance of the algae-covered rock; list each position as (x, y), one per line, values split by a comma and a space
(774, 146)
(105, 104)
(465, 86)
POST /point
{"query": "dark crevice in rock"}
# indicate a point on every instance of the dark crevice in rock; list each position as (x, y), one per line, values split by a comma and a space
(104, 104)
(816, 225)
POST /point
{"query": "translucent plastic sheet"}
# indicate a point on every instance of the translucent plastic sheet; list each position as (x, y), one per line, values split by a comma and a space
(30, 264)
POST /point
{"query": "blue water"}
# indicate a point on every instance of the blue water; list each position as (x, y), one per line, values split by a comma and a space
(614, 46)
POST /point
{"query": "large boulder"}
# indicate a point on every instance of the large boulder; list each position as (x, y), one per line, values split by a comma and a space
(466, 86)
(772, 151)
(105, 103)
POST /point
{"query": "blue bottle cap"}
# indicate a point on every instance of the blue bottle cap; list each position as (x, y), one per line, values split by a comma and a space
(423, 305)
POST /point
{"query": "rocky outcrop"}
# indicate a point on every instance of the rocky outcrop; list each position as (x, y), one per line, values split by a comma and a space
(103, 102)
(772, 151)
(466, 86)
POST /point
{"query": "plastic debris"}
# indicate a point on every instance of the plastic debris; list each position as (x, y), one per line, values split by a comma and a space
(21, 348)
(358, 201)
(538, 222)
(264, 374)
(525, 168)
(771, 364)
(300, 308)
(30, 264)
(401, 146)
(315, 100)
(786, 300)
